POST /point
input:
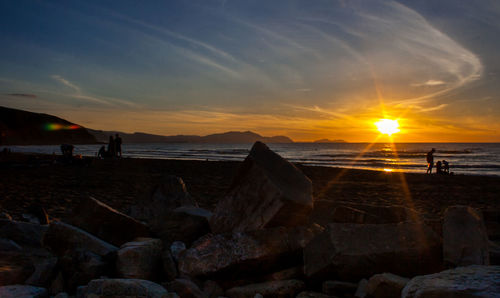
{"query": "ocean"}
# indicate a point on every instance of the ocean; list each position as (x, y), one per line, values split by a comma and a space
(464, 158)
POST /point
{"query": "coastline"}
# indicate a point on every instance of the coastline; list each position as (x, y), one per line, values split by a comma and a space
(29, 179)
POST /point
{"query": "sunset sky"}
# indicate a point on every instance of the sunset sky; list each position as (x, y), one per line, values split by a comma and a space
(308, 69)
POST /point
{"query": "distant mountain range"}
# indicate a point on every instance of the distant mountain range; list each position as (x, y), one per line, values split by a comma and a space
(329, 141)
(18, 127)
(232, 137)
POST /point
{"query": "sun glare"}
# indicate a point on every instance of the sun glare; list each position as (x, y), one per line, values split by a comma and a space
(387, 126)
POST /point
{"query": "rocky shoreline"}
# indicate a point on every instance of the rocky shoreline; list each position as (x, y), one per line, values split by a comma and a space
(275, 230)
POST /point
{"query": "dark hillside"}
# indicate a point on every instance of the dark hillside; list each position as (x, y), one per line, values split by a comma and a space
(18, 127)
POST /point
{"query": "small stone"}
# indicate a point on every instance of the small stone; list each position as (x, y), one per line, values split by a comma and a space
(176, 249)
(386, 285)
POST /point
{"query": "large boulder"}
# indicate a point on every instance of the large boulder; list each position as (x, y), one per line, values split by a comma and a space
(62, 237)
(103, 288)
(185, 288)
(470, 281)
(140, 259)
(268, 191)
(255, 252)
(171, 193)
(386, 285)
(107, 223)
(352, 251)
(274, 289)
(465, 239)
(22, 291)
(326, 211)
(186, 224)
(23, 233)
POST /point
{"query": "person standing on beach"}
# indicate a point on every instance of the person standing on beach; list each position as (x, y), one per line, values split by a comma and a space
(118, 145)
(111, 147)
(430, 160)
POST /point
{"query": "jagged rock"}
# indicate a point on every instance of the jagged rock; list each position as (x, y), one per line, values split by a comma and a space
(212, 289)
(166, 196)
(140, 259)
(465, 240)
(339, 288)
(258, 251)
(344, 250)
(361, 290)
(177, 248)
(312, 295)
(470, 281)
(102, 288)
(386, 285)
(169, 265)
(186, 224)
(23, 233)
(61, 237)
(343, 212)
(186, 288)
(22, 291)
(107, 223)
(282, 288)
(268, 191)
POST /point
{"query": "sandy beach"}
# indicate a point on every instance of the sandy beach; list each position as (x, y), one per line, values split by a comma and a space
(28, 179)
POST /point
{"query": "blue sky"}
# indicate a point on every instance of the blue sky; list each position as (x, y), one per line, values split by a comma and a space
(307, 69)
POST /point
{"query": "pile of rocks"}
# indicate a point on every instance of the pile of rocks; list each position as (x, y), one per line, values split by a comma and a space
(265, 238)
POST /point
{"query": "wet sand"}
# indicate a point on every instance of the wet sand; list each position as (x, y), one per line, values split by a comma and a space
(31, 179)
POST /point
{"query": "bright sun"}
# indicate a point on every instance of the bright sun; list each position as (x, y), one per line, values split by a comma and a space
(387, 126)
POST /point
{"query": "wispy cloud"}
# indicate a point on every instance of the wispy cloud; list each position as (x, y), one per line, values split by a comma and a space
(79, 94)
(429, 83)
(66, 83)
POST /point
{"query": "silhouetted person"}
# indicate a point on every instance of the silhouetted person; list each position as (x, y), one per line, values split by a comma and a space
(118, 145)
(67, 152)
(446, 167)
(102, 152)
(111, 147)
(439, 169)
(430, 160)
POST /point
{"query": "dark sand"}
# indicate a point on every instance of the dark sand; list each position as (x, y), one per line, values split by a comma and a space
(26, 179)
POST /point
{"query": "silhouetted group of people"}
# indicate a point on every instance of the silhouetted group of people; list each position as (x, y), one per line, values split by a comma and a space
(114, 148)
(442, 167)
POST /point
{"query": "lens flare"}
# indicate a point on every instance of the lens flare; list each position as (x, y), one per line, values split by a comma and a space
(387, 126)
(57, 126)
